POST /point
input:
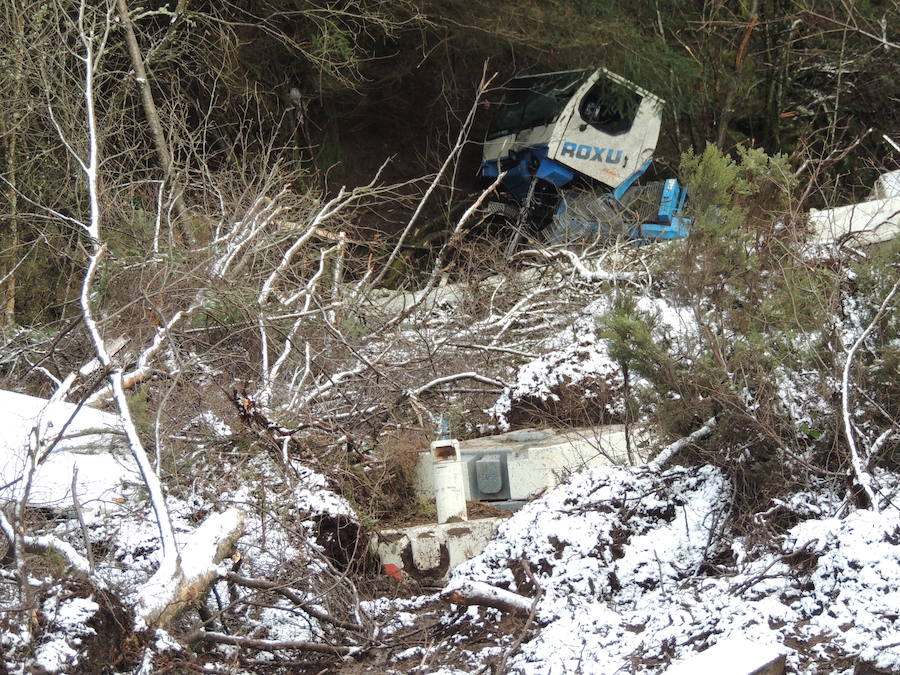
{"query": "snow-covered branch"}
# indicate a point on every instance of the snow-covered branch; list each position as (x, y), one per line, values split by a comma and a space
(46, 544)
(861, 463)
(169, 592)
(142, 368)
(468, 593)
(668, 452)
(308, 607)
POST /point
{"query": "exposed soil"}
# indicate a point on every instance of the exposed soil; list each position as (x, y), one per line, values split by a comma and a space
(476, 511)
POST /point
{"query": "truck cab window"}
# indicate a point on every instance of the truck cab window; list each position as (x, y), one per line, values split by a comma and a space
(609, 107)
(533, 101)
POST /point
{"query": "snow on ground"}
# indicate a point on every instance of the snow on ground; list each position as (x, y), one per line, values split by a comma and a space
(574, 355)
(92, 441)
(623, 558)
(281, 515)
(20, 412)
(667, 320)
(67, 620)
(578, 355)
(396, 614)
(635, 569)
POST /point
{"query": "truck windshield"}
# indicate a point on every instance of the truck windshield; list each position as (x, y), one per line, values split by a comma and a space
(534, 101)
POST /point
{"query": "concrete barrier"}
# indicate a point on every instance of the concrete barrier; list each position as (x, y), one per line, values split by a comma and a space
(868, 222)
(520, 464)
(429, 552)
(507, 468)
(733, 656)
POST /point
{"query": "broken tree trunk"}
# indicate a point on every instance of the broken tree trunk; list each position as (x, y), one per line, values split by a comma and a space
(170, 591)
(469, 593)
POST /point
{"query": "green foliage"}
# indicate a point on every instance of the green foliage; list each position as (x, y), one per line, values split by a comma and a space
(630, 340)
(333, 48)
(330, 158)
(759, 308)
(141, 409)
(714, 179)
(765, 317)
(736, 260)
(733, 205)
(725, 191)
(46, 283)
(222, 310)
(352, 325)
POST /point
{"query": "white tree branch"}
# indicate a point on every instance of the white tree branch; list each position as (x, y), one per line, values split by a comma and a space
(452, 378)
(860, 463)
(469, 593)
(668, 452)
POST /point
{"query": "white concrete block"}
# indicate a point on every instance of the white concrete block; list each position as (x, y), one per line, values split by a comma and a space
(430, 547)
(733, 656)
(870, 222)
(538, 459)
(886, 185)
(527, 475)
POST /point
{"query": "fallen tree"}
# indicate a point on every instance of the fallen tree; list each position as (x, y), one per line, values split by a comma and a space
(477, 593)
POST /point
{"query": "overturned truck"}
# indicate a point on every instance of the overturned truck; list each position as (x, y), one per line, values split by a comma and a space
(571, 147)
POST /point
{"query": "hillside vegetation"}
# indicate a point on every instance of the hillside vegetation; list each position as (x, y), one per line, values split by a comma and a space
(249, 232)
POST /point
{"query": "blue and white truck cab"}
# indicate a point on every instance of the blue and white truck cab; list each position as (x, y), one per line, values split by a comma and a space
(572, 145)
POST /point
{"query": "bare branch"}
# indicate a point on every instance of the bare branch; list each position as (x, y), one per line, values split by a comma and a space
(667, 453)
(309, 608)
(269, 645)
(860, 463)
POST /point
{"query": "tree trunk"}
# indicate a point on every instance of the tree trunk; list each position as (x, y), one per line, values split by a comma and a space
(170, 591)
(734, 83)
(151, 113)
(9, 235)
(9, 242)
(470, 593)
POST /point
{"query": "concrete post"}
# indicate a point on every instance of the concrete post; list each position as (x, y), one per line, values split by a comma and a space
(449, 488)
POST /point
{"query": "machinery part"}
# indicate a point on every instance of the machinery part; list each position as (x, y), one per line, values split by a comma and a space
(449, 490)
(501, 209)
(449, 484)
(489, 475)
(587, 216)
(645, 212)
(561, 125)
(523, 220)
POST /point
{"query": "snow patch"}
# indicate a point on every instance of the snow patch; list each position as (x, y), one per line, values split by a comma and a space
(67, 627)
(93, 443)
(576, 354)
(623, 559)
